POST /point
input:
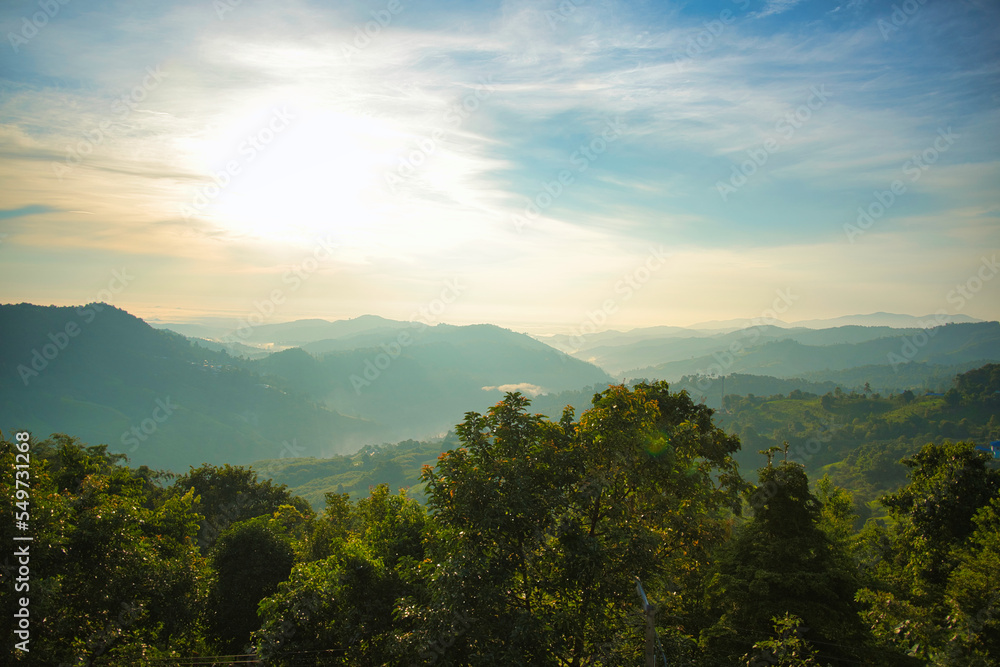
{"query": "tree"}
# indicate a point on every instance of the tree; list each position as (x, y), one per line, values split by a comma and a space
(781, 562)
(786, 649)
(948, 484)
(923, 593)
(336, 608)
(228, 494)
(972, 596)
(953, 398)
(250, 559)
(982, 382)
(544, 526)
(116, 576)
(347, 601)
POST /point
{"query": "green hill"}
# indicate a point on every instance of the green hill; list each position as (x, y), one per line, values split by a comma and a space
(150, 393)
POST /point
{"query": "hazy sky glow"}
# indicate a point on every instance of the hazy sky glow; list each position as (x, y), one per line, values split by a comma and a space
(563, 162)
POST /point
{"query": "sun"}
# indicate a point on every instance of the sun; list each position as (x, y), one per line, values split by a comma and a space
(287, 174)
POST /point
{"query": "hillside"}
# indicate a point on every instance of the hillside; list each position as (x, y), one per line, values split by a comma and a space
(397, 465)
(108, 383)
(415, 390)
(858, 439)
(150, 393)
(783, 356)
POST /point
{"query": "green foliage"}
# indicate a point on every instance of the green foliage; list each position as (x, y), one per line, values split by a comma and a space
(342, 605)
(339, 607)
(973, 596)
(948, 484)
(249, 560)
(860, 441)
(933, 580)
(115, 575)
(545, 525)
(229, 494)
(786, 649)
(397, 465)
(983, 382)
(782, 562)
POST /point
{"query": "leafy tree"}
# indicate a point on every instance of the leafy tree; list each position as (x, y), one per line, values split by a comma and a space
(982, 382)
(544, 526)
(925, 584)
(228, 494)
(948, 484)
(787, 649)
(249, 559)
(116, 577)
(953, 398)
(782, 562)
(346, 601)
(837, 515)
(336, 608)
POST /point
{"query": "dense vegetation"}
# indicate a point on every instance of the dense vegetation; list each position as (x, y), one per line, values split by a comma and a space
(857, 437)
(526, 552)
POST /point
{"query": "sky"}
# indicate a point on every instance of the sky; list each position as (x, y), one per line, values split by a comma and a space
(543, 166)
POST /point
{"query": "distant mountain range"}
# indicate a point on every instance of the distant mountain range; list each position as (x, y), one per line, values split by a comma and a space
(314, 388)
(611, 338)
(808, 352)
(871, 320)
(670, 352)
(167, 401)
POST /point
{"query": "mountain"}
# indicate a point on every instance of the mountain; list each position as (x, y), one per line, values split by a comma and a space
(871, 320)
(885, 320)
(192, 329)
(611, 338)
(619, 357)
(577, 344)
(103, 375)
(786, 357)
(301, 332)
(415, 382)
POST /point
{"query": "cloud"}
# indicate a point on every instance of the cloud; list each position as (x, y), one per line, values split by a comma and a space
(33, 209)
(693, 115)
(523, 387)
(776, 7)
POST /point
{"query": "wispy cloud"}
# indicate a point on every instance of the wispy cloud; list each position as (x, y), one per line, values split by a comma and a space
(776, 7)
(416, 149)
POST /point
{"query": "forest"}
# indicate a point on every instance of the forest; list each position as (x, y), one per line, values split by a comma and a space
(531, 537)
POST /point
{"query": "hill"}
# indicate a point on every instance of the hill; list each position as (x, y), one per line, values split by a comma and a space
(170, 402)
(108, 377)
(784, 356)
(398, 465)
(858, 438)
(415, 389)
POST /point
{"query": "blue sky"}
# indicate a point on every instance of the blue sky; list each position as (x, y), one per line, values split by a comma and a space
(308, 161)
